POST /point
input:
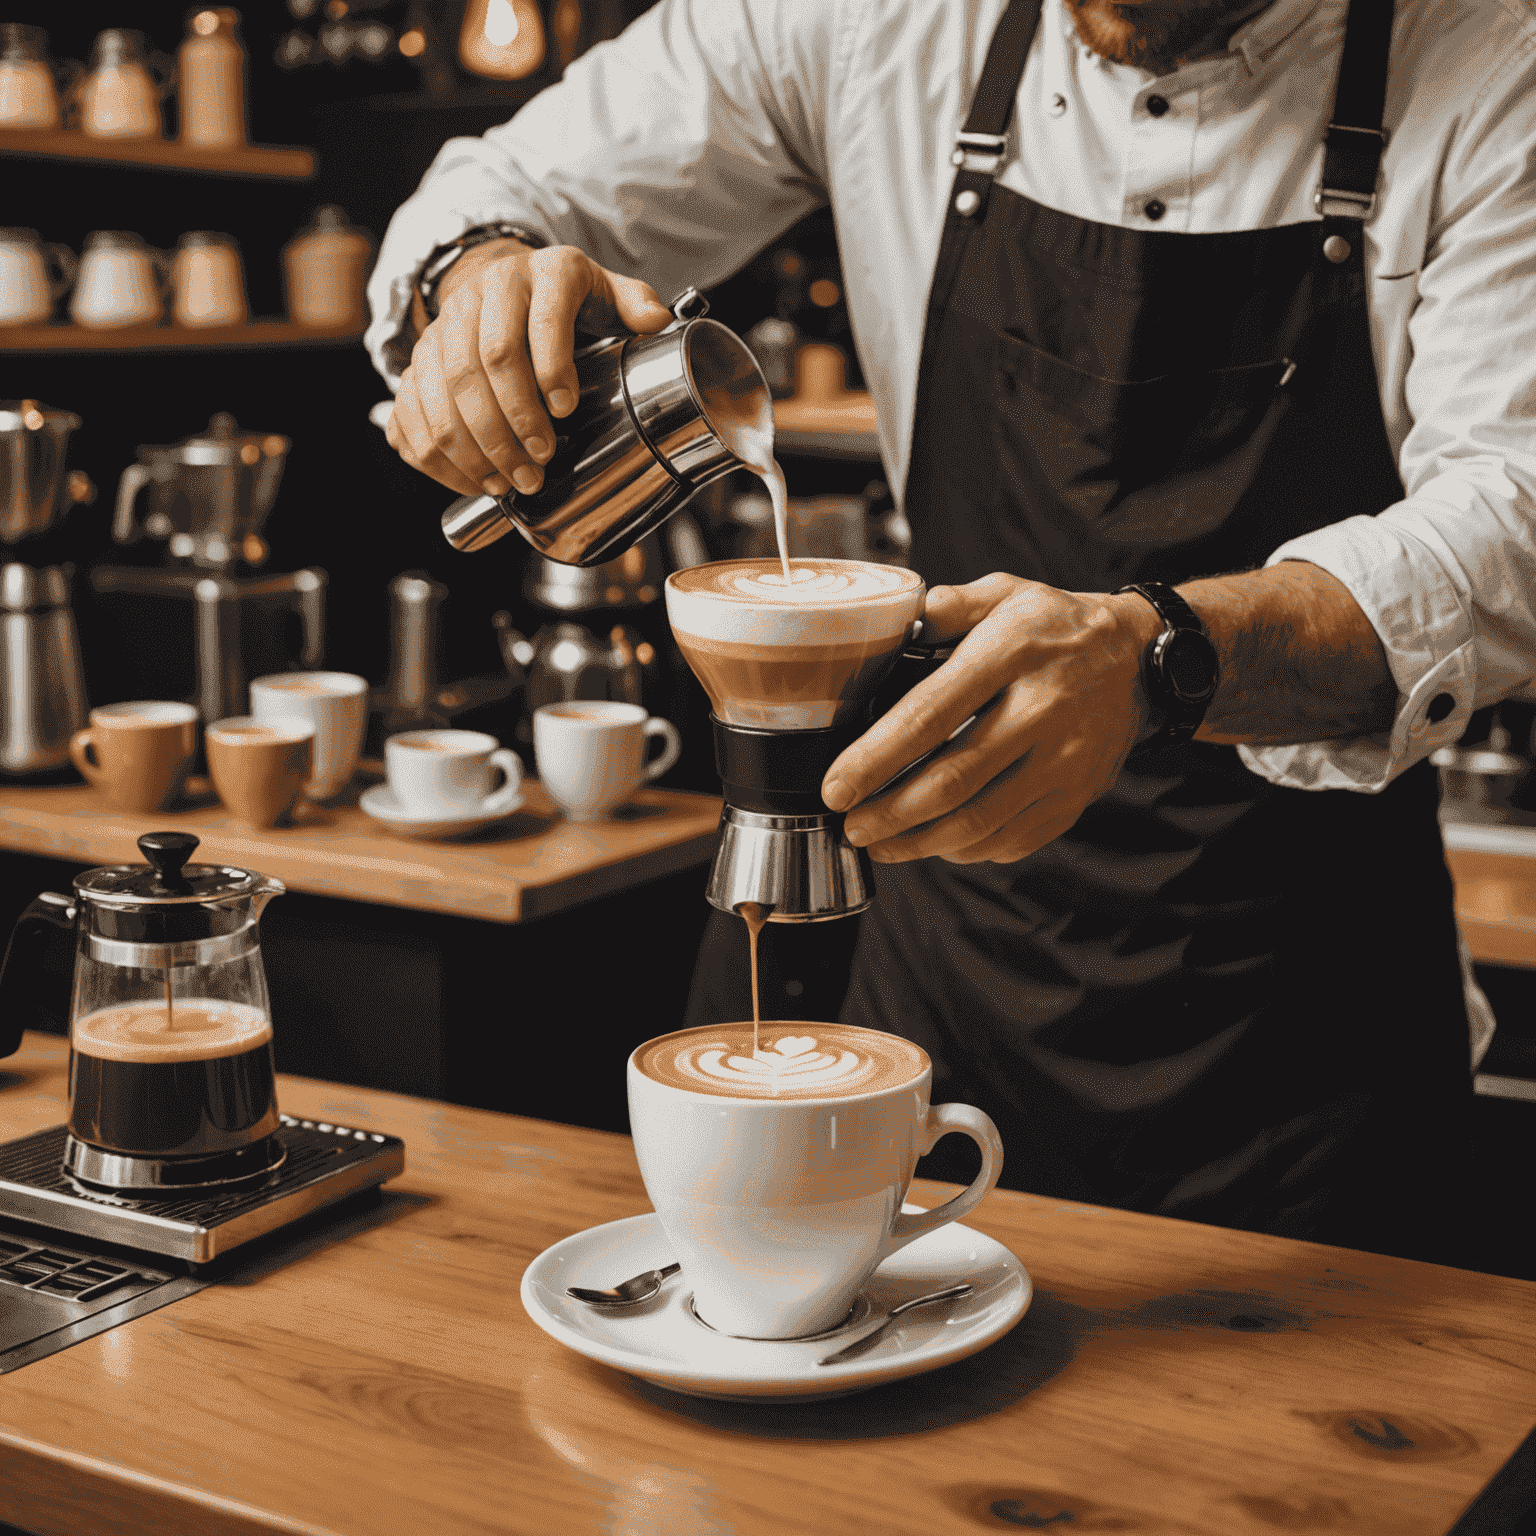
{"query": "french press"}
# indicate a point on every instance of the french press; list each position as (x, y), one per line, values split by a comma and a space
(171, 1083)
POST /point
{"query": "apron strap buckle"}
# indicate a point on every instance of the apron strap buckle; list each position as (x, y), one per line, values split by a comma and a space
(981, 152)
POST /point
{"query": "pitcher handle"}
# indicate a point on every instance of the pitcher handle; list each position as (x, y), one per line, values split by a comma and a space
(690, 304)
(129, 484)
(34, 931)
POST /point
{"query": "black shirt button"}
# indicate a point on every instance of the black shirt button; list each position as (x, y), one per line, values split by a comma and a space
(1440, 706)
(1155, 210)
(1157, 105)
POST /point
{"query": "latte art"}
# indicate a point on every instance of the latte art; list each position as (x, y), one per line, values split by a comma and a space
(835, 1060)
(810, 581)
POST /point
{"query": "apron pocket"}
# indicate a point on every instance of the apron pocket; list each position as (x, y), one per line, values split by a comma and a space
(1121, 453)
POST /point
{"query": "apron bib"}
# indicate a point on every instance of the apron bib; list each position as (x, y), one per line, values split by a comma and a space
(1212, 998)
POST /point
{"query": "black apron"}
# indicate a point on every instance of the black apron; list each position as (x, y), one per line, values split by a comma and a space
(1213, 998)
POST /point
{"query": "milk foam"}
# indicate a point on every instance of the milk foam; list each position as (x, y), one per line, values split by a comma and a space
(839, 1060)
(825, 602)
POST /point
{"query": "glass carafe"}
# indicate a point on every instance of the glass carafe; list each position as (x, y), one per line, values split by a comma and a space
(170, 1030)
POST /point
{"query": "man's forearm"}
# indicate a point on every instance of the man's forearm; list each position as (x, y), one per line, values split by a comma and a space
(1299, 659)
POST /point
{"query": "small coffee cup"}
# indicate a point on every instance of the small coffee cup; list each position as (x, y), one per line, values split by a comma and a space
(259, 767)
(449, 773)
(778, 1173)
(591, 753)
(336, 704)
(138, 753)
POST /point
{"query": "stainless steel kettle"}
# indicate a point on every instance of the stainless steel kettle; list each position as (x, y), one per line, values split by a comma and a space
(209, 496)
(657, 419)
(35, 490)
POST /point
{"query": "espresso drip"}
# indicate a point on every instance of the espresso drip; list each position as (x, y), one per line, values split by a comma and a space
(755, 915)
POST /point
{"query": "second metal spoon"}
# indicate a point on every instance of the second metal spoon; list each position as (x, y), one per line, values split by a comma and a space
(627, 1293)
(917, 1301)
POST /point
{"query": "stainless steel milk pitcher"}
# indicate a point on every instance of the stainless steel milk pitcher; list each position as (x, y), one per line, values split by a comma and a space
(658, 418)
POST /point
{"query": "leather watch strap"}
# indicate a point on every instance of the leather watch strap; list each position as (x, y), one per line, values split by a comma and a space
(1181, 656)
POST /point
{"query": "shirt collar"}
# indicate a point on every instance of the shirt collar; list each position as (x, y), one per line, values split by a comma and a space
(1255, 40)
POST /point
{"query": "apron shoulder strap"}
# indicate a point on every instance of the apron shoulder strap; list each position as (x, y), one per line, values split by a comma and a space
(1355, 139)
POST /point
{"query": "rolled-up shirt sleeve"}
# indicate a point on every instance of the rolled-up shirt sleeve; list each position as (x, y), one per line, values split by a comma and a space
(1447, 576)
(671, 154)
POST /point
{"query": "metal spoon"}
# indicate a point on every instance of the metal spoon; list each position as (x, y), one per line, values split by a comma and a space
(627, 1293)
(917, 1301)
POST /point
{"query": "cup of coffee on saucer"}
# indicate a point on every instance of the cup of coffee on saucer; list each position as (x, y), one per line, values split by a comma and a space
(591, 753)
(442, 783)
(137, 754)
(259, 767)
(336, 704)
(778, 1173)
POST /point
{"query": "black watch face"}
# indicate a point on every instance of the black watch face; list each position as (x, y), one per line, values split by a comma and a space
(1188, 664)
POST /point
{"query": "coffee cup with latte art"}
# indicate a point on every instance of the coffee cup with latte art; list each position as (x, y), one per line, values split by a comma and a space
(797, 656)
(778, 1176)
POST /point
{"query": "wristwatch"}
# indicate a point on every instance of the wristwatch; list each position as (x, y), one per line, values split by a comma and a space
(1181, 669)
(435, 268)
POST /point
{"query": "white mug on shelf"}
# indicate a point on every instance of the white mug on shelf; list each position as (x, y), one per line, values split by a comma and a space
(32, 276)
(448, 774)
(591, 753)
(121, 282)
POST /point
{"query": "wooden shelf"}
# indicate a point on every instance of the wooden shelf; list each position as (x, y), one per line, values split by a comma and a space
(261, 160)
(171, 338)
(842, 427)
(531, 865)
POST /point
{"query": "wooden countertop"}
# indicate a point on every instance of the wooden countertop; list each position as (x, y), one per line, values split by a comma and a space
(530, 865)
(384, 1379)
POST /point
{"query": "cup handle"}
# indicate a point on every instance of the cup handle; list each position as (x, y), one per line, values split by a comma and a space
(669, 753)
(507, 797)
(979, 1127)
(81, 745)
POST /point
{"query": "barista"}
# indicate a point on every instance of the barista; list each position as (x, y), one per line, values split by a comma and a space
(1232, 504)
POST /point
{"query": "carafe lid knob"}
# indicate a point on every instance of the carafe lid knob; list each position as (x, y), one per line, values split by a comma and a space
(169, 852)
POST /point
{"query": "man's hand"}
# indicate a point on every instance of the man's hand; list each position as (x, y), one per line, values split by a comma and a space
(470, 410)
(1054, 680)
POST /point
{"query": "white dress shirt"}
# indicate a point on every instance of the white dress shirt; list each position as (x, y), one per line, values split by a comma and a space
(678, 151)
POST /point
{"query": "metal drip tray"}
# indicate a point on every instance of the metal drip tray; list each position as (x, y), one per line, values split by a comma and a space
(324, 1163)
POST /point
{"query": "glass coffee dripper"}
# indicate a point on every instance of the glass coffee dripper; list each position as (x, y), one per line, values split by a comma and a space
(171, 1083)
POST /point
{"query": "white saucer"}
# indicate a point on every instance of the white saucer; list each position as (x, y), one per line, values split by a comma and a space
(663, 1342)
(380, 803)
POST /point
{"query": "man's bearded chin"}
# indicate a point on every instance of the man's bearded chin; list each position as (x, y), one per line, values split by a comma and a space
(1152, 37)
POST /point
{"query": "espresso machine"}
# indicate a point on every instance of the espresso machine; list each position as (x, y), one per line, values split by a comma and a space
(208, 498)
(42, 697)
(175, 1154)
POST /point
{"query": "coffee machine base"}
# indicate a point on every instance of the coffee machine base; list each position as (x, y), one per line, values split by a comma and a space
(321, 1164)
(118, 1174)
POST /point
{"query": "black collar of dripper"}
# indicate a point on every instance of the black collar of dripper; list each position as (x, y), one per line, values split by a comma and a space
(779, 773)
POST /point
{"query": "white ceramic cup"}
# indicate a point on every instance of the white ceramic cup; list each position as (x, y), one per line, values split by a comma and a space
(336, 704)
(591, 753)
(449, 773)
(780, 1210)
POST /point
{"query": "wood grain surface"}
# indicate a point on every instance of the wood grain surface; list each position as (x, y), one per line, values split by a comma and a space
(1496, 905)
(383, 1378)
(530, 865)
